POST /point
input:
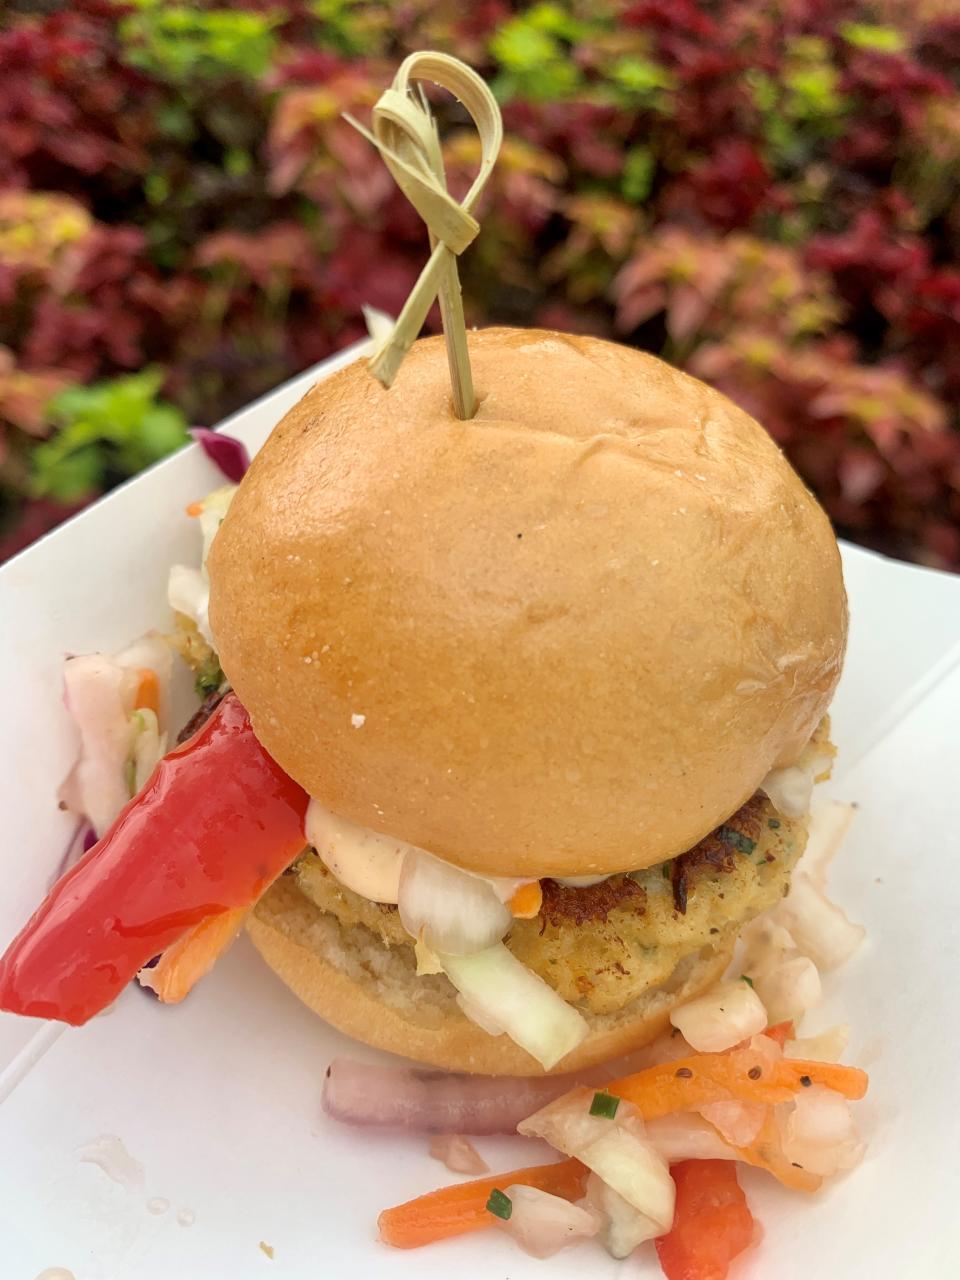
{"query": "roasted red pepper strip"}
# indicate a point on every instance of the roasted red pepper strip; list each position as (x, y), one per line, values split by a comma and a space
(711, 1224)
(215, 825)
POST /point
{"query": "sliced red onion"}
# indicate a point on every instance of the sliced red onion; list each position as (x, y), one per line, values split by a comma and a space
(428, 1101)
(226, 452)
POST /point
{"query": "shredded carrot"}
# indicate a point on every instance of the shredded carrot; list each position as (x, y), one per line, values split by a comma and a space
(527, 901)
(147, 696)
(453, 1211)
(194, 509)
(797, 1074)
(743, 1074)
(191, 957)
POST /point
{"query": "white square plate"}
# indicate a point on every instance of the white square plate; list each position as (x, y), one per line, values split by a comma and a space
(219, 1098)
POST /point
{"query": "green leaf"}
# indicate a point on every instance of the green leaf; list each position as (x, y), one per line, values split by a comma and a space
(641, 76)
(864, 35)
(182, 45)
(536, 63)
(554, 19)
(520, 47)
(64, 474)
(156, 187)
(237, 162)
(638, 170)
(113, 426)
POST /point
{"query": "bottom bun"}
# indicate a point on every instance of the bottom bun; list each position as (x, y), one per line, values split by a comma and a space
(372, 992)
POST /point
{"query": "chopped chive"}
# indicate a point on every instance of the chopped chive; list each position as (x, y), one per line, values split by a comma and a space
(665, 871)
(736, 839)
(748, 981)
(773, 824)
(604, 1104)
(499, 1205)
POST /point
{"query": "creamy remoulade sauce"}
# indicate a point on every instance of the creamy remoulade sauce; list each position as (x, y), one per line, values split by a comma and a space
(369, 862)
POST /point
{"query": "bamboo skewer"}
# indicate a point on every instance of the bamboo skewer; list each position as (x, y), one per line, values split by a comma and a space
(405, 134)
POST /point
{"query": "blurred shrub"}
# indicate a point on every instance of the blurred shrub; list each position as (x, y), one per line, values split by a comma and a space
(766, 195)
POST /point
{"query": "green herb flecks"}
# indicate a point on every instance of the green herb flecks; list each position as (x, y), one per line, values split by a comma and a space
(605, 1105)
(736, 840)
(499, 1205)
(209, 676)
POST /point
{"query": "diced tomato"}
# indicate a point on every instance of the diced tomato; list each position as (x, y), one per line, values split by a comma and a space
(712, 1224)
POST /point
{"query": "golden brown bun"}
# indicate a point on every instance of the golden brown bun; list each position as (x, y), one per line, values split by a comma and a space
(372, 993)
(571, 635)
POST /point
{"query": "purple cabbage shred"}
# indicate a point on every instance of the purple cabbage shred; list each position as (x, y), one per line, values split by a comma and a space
(225, 452)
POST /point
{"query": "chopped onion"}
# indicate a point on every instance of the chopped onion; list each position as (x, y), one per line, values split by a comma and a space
(828, 1046)
(829, 823)
(482, 1019)
(188, 592)
(188, 589)
(624, 1227)
(686, 1136)
(722, 1017)
(516, 999)
(149, 745)
(819, 927)
(226, 452)
(458, 1153)
(789, 790)
(542, 1223)
(213, 509)
(736, 1122)
(766, 944)
(154, 652)
(789, 990)
(99, 697)
(616, 1150)
(454, 912)
(818, 1132)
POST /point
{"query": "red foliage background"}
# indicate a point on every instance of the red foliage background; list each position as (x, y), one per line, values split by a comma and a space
(765, 195)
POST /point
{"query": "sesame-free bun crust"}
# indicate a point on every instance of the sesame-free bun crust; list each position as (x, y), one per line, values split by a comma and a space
(372, 993)
(570, 635)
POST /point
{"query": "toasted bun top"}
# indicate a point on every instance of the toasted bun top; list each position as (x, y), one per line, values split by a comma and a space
(568, 636)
